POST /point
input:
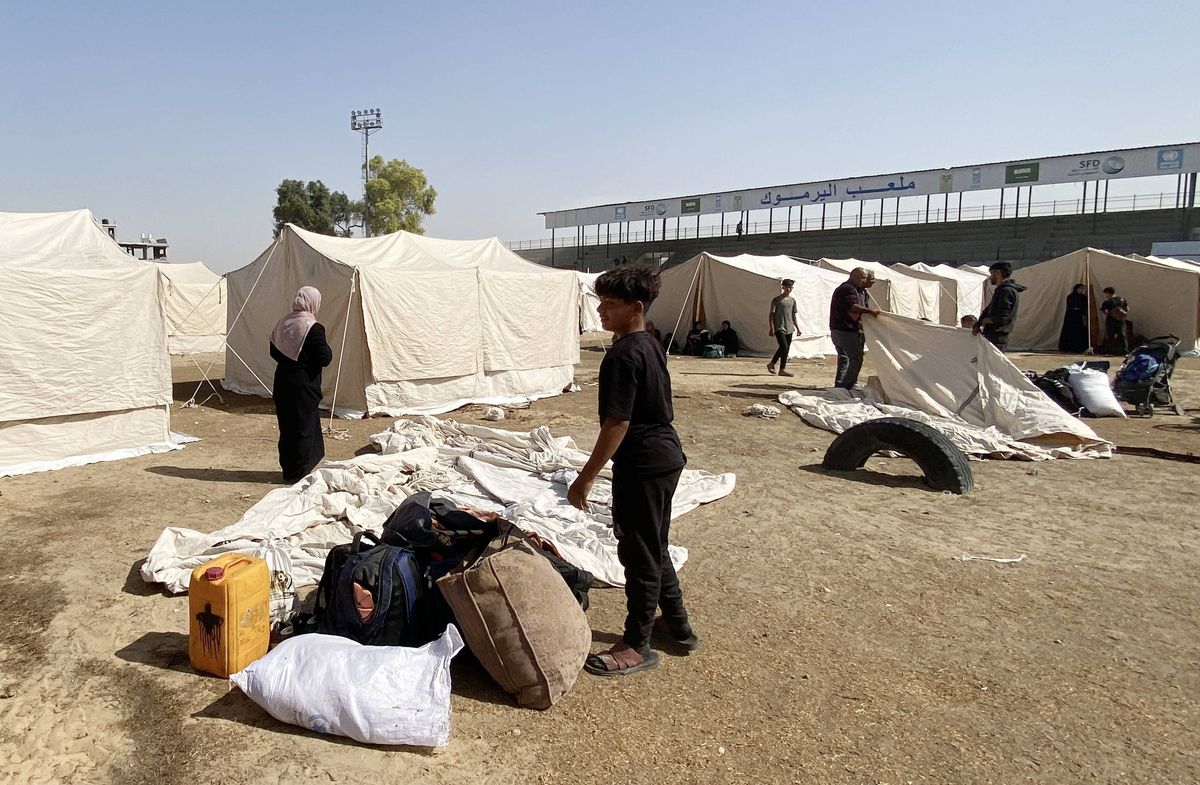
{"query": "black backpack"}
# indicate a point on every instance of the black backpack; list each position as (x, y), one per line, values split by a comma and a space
(371, 594)
(458, 534)
(1054, 384)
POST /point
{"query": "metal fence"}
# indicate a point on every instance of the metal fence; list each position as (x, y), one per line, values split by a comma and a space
(859, 219)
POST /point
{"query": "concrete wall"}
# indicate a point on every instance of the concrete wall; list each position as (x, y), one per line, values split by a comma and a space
(1020, 240)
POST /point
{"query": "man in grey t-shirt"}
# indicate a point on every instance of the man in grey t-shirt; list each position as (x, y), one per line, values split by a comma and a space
(783, 325)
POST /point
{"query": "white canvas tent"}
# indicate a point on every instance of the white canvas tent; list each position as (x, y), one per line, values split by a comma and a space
(739, 289)
(417, 325)
(86, 376)
(903, 294)
(961, 289)
(1163, 298)
(194, 300)
(589, 303)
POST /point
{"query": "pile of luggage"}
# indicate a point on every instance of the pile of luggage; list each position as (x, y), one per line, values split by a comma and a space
(370, 661)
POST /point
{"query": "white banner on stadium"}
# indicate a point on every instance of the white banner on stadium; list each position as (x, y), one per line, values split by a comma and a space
(1109, 165)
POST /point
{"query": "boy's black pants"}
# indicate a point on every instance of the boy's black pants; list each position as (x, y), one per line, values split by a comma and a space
(641, 510)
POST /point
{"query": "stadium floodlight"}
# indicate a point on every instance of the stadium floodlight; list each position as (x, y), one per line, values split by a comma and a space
(366, 122)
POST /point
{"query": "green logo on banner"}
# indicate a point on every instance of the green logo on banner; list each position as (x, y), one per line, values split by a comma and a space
(689, 205)
(1021, 173)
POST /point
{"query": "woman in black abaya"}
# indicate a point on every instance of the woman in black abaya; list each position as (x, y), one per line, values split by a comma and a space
(299, 348)
(1074, 337)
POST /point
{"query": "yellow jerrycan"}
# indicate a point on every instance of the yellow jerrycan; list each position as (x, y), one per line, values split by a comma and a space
(229, 609)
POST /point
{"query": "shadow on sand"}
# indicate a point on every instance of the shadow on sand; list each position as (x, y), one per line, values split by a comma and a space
(218, 475)
(868, 477)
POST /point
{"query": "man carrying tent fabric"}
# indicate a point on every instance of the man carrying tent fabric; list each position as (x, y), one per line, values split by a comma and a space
(848, 305)
(998, 318)
(782, 324)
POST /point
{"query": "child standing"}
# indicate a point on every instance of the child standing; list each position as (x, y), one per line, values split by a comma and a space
(637, 435)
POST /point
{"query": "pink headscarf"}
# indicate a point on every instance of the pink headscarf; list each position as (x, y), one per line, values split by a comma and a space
(290, 331)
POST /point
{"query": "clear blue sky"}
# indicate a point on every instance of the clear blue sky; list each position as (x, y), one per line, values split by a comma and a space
(180, 119)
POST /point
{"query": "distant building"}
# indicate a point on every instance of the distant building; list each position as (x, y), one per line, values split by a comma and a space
(149, 247)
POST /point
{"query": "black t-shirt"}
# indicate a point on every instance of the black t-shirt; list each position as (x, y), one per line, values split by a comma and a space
(1114, 302)
(635, 386)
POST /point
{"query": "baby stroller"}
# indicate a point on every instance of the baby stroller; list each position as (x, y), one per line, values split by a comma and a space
(1145, 378)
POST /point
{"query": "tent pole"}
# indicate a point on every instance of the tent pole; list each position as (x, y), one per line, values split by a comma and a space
(338, 433)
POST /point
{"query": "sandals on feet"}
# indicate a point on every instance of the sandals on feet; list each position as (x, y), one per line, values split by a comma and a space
(616, 662)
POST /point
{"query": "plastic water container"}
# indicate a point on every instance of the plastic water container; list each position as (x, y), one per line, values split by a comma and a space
(229, 610)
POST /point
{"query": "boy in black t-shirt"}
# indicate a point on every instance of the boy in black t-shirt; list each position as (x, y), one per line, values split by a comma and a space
(636, 433)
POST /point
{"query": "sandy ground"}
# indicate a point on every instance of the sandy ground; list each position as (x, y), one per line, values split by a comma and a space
(843, 642)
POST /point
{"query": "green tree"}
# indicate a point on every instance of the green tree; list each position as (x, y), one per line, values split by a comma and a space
(399, 196)
(314, 207)
(347, 215)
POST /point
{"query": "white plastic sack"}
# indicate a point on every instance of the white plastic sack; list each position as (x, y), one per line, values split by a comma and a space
(372, 694)
(1092, 390)
(284, 603)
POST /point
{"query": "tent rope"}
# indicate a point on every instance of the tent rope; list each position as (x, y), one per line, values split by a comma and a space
(341, 433)
(191, 355)
(229, 328)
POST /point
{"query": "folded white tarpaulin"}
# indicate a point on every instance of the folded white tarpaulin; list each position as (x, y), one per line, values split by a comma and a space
(960, 384)
(523, 475)
(739, 289)
(84, 370)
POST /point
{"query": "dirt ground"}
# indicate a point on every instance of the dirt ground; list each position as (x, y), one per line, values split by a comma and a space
(843, 641)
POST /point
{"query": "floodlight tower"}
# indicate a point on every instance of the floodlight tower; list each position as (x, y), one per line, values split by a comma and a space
(366, 122)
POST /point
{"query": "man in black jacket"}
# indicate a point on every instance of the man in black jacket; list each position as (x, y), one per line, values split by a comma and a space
(998, 318)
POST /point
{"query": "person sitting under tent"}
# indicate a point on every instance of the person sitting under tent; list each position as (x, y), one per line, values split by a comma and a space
(1116, 315)
(1073, 338)
(728, 338)
(654, 331)
(300, 350)
(997, 320)
(697, 338)
(967, 322)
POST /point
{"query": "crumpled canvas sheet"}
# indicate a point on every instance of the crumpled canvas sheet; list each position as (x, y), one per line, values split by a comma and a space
(522, 475)
(958, 383)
